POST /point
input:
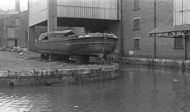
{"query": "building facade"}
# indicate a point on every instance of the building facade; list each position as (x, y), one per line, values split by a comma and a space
(14, 27)
(14, 30)
(130, 20)
(181, 23)
(138, 21)
(177, 28)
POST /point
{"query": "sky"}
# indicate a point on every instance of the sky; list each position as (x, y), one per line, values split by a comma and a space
(10, 4)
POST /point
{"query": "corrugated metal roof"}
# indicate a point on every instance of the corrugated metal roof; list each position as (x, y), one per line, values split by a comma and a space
(38, 11)
(90, 9)
(185, 27)
(163, 29)
(167, 30)
(12, 12)
(2, 12)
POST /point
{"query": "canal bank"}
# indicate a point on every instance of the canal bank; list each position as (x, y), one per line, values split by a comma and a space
(27, 69)
(175, 63)
(62, 76)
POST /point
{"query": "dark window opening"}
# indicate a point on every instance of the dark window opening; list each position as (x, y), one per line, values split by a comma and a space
(178, 43)
(16, 43)
(17, 22)
(136, 24)
(45, 38)
(11, 32)
(26, 36)
(136, 5)
(136, 44)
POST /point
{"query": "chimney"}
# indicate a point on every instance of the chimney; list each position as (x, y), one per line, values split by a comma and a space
(17, 5)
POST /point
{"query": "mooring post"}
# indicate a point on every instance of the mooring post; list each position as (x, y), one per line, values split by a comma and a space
(11, 81)
(50, 56)
(185, 48)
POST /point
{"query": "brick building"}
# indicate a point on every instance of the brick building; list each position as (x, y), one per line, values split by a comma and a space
(14, 30)
(138, 21)
(177, 28)
(14, 27)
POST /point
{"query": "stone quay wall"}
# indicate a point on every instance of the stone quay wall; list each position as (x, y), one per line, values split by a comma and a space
(174, 63)
(62, 76)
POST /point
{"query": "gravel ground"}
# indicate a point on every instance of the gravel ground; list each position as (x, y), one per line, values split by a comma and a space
(25, 61)
(28, 61)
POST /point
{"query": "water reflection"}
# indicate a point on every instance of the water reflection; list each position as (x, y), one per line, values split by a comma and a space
(139, 89)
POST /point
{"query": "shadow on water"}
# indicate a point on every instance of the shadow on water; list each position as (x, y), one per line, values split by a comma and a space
(139, 89)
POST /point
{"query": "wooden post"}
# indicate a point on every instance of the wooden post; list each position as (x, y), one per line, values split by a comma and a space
(122, 29)
(52, 15)
(50, 56)
(185, 49)
(31, 38)
(28, 43)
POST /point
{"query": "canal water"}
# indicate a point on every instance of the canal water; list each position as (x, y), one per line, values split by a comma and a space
(139, 89)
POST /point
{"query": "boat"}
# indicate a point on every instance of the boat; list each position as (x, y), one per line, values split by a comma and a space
(69, 43)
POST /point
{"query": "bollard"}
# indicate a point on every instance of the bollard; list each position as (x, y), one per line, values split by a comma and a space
(11, 84)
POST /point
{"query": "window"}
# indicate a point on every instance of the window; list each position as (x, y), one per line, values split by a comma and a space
(178, 43)
(136, 24)
(17, 22)
(136, 5)
(26, 36)
(136, 44)
(11, 32)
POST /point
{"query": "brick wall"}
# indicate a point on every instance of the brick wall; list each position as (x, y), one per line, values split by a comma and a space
(19, 23)
(146, 14)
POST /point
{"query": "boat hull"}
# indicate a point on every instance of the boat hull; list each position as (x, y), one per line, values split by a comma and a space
(77, 46)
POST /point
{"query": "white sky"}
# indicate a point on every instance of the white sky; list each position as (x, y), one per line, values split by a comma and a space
(10, 4)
